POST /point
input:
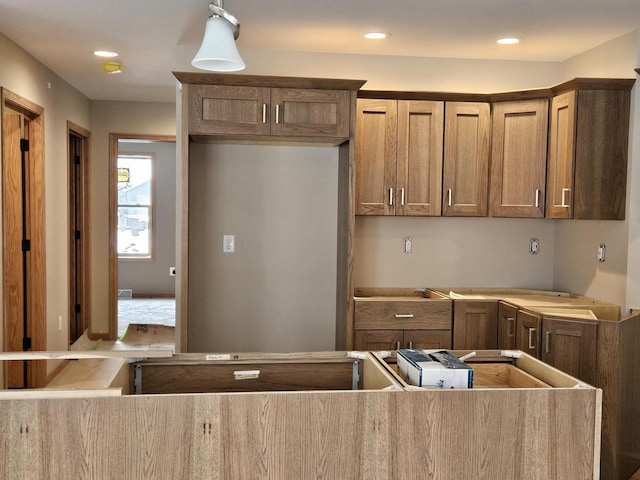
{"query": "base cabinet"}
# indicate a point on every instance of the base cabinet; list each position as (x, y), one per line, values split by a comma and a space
(571, 347)
(475, 325)
(397, 339)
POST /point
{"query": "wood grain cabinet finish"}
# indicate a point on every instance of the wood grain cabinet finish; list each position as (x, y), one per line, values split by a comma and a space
(475, 325)
(588, 147)
(399, 157)
(507, 326)
(528, 334)
(263, 111)
(393, 324)
(466, 159)
(519, 158)
(570, 346)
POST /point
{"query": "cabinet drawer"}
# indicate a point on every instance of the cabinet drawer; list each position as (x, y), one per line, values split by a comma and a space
(417, 314)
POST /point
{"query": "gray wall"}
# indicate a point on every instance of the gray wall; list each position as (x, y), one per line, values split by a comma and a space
(277, 292)
(146, 277)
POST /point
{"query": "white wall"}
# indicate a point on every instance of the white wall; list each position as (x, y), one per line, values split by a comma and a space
(277, 292)
(152, 276)
(23, 75)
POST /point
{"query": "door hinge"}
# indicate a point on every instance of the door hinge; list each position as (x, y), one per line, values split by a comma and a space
(76, 159)
(26, 344)
(24, 145)
(78, 308)
(77, 234)
(26, 245)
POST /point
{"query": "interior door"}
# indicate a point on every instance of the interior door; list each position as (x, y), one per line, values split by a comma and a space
(79, 278)
(23, 265)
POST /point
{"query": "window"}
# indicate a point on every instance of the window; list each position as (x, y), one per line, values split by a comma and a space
(135, 205)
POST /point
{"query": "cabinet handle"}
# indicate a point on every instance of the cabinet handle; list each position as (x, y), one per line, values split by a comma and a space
(449, 195)
(511, 321)
(410, 345)
(531, 332)
(402, 197)
(277, 114)
(547, 334)
(397, 345)
(391, 197)
(264, 113)
(564, 191)
(403, 315)
(537, 198)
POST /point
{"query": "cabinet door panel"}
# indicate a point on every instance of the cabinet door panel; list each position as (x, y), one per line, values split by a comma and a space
(225, 109)
(561, 156)
(378, 339)
(427, 339)
(376, 157)
(519, 158)
(309, 112)
(475, 325)
(528, 333)
(507, 326)
(419, 157)
(466, 159)
(571, 347)
(601, 149)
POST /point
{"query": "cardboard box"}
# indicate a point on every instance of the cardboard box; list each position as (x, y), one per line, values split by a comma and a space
(434, 369)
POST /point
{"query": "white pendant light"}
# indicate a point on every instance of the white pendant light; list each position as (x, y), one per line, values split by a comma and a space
(218, 52)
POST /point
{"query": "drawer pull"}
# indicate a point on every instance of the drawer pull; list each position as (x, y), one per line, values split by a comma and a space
(246, 374)
(264, 113)
(511, 332)
(391, 197)
(564, 192)
(547, 334)
(397, 345)
(531, 332)
(403, 315)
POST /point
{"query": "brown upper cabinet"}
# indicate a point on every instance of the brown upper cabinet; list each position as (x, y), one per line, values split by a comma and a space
(588, 146)
(466, 159)
(253, 110)
(399, 157)
(519, 158)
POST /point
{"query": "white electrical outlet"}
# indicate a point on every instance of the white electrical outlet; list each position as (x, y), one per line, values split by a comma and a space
(407, 245)
(602, 252)
(228, 243)
(172, 271)
(534, 246)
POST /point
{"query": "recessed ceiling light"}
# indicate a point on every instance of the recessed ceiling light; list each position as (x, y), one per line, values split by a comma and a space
(376, 35)
(105, 53)
(508, 41)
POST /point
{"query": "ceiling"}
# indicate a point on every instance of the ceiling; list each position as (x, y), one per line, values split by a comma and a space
(156, 37)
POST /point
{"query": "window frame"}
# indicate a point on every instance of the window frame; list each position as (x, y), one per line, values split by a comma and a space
(151, 257)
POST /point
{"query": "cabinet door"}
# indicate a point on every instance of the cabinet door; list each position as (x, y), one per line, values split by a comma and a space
(528, 333)
(519, 158)
(300, 112)
(225, 109)
(475, 325)
(507, 326)
(561, 156)
(571, 347)
(419, 157)
(601, 149)
(379, 339)
(427, 339)
(376, 156)
(466, 159)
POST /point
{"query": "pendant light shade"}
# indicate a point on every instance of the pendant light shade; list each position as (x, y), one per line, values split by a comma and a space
(218, 52)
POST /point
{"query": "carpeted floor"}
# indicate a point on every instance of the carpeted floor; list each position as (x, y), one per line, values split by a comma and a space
(159, 311)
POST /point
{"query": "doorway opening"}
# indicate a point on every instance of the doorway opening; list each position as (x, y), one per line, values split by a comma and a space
(23, 249)
(79, 241)
(142, 232)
